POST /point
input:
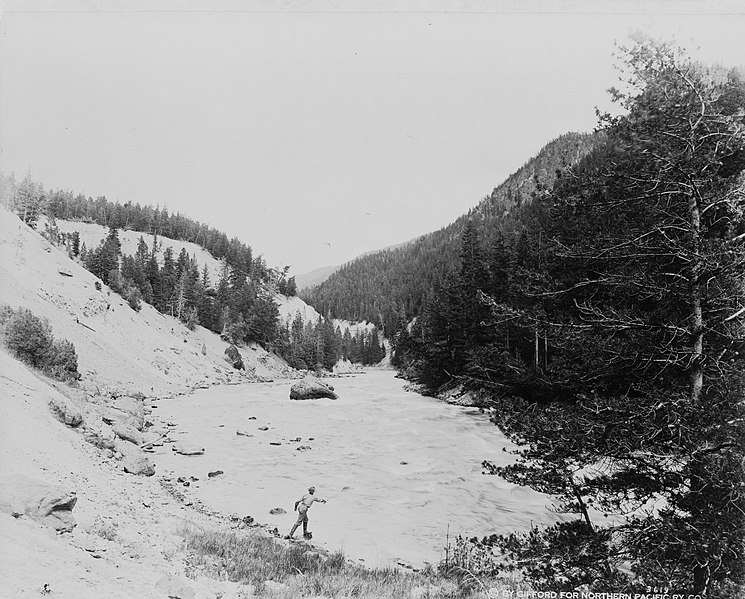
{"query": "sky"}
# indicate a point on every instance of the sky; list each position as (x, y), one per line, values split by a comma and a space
(315, 133)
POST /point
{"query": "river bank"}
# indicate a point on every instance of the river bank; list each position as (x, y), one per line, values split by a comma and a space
(150, 537)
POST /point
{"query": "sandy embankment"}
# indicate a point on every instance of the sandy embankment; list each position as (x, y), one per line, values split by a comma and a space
(126, 539)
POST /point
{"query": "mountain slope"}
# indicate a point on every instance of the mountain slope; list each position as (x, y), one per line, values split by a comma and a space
(92, 234)
(319, 275)
(127, 350)
(314, 277)
(391, 286)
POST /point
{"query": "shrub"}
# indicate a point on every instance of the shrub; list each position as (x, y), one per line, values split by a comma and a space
(62, 363)
(30, 339)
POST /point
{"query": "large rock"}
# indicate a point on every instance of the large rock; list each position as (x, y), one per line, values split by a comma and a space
(99, 434)
(45, 503)
(112, 416)
(65, 411)
(133, 406)
(233, 357)
(128, 433)
(134, 460)
(310, 388)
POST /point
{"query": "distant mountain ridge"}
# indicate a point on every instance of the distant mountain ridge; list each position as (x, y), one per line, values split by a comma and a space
(314, 277)
(319, 275)
(390, 286)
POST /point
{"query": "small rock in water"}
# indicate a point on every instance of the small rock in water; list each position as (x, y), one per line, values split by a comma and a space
(404, 463)
(303, 448)
(274, 443)
(214, 473)
(248, 520)
(188, 450)
(263, 428)
(243, 434)
(252, 417)
(277, 510)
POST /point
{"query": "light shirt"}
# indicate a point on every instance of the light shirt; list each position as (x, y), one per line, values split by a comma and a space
(308, 500)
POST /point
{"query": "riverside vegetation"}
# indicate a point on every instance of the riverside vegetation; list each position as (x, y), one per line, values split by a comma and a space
(299, 570)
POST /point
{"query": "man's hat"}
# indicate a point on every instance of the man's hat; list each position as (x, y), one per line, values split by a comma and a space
(311, 488)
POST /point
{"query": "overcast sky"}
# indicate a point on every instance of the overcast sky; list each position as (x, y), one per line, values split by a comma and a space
(315, 136)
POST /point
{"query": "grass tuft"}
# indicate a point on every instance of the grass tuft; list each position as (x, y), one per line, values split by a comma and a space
(299, 570)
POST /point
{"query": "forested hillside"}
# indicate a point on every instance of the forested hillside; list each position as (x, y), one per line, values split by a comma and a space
(607, 339)
(240, 301)
(391, 287)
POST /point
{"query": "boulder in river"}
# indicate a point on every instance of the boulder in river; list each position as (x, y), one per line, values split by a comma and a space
(312, 388)
(277, 510)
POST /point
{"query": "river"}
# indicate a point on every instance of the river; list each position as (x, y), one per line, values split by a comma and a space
(399, 471)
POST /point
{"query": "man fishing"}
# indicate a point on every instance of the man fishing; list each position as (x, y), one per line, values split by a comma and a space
(302, 506)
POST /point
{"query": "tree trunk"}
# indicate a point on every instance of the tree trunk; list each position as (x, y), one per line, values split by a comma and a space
(697, 321)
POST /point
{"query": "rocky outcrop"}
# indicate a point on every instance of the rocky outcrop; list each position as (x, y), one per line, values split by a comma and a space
(45, 503)
(65, 411)
(311, 388)
(233, 357)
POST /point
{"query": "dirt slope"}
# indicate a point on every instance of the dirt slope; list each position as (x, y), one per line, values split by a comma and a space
(130, 351)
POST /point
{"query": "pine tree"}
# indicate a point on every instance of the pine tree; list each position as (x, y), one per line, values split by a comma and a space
(29, 200)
